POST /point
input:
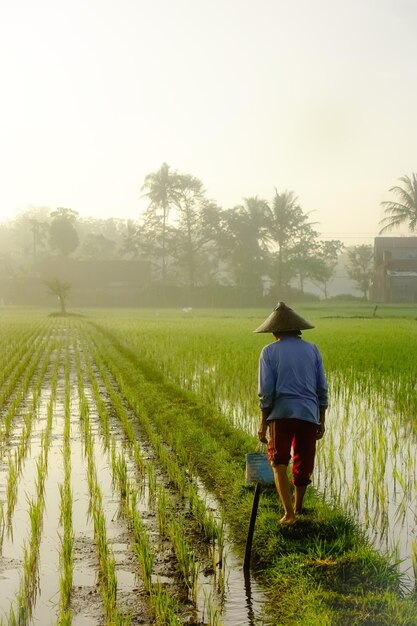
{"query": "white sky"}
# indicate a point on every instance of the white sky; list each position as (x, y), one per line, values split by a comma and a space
(316, 97)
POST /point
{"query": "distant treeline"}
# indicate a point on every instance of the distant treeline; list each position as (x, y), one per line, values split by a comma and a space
(184, 250)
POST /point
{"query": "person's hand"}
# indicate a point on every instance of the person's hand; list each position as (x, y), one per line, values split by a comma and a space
(321, 429)
(262, 433)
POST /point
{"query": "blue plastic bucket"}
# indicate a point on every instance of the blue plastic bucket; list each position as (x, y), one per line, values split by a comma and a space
(258, 469)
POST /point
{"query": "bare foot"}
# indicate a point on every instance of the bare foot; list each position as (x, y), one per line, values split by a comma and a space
(287, 520)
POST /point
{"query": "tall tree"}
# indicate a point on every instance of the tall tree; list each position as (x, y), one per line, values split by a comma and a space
(403, 211)
(62, 233)
(302, 254)
(30, 231)
(97, 246)
(163, 190)
(39, 232)
(131, 239)
(360, 267)
(325, 262)
(289, 228)
(244, 244)
(195, 231)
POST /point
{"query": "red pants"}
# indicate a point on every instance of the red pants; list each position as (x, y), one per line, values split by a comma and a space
(299, 434)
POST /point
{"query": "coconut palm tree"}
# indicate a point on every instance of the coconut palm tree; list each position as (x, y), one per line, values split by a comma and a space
(163, 192)
(405, 210)
(244, 246)
(288, 226)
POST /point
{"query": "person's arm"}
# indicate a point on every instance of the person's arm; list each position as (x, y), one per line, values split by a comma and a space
(266, 393)
(321, 428)
(263, 425)
(322, 397)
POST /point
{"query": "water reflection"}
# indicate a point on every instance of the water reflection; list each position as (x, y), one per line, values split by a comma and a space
(249, 602)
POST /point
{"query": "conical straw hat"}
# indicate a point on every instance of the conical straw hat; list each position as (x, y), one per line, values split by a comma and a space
(283, 319)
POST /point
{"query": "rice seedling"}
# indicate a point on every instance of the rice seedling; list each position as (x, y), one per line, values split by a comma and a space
(2, 525)
(107, 578)
(11, 491)
(164, 606)
(117, 407)
(120, 475)
(151, 474)
(163, 508)
(142, 544)
(414, 561)
(67, 538)
(211, 610)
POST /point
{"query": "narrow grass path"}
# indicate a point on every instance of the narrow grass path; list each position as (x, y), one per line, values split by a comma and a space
(321, 571)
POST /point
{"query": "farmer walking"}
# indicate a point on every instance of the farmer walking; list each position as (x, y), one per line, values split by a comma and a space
(293, 400)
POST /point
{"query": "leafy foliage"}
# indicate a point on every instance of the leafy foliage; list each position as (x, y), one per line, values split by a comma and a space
(62, 233)
(403, 211)
(360, 266)
(60, 289)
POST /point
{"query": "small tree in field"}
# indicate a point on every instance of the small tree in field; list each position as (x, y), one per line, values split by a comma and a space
(60, 289)
(360, 266)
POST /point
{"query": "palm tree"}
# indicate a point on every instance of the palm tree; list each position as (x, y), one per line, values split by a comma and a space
(245, 243)
(405, 210)
(162, 191)
(288, 225)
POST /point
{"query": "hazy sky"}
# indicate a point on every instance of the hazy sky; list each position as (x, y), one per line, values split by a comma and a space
(318, 97)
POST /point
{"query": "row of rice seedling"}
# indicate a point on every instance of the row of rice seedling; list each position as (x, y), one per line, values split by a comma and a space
(20, 450)
(204, 520)
(180, 474)
(107, 578)
(164, 606)
(20, 612)
(14, 357)
(67, 537)
(16, 392)
(26, 595)
(174, 529)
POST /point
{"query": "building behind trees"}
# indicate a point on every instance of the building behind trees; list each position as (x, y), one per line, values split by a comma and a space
(395, 269)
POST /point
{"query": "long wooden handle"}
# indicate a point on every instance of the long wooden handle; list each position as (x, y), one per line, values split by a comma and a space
(248, 550)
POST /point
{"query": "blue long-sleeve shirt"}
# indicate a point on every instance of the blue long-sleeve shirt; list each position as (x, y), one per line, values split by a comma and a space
(292, 380)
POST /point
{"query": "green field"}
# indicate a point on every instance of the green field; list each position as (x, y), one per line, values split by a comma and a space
(123, 436)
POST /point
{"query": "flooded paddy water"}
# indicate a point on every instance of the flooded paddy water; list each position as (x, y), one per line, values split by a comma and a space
(82, 495)
(367, 463)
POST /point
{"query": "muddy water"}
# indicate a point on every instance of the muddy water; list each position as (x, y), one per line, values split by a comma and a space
(11, 562)
(85, 598)
(243, 599)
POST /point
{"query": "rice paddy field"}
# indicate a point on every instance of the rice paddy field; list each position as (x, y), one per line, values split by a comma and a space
(123, 499)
